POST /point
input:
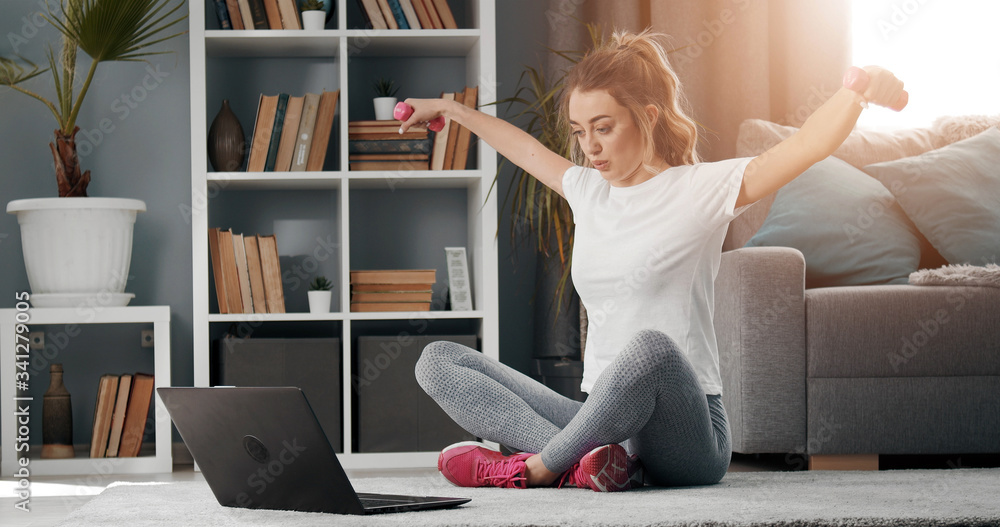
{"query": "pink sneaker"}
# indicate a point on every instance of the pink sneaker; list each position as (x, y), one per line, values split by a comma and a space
(472, 464)
(605, 469)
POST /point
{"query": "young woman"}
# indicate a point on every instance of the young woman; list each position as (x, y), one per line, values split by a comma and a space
(650, 222)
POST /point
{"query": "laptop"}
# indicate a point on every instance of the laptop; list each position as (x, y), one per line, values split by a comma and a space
(263, 448)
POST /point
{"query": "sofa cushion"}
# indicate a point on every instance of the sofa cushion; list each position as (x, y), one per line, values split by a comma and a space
(902, 331)
(952, 194)
(862, 147)
(847, 225)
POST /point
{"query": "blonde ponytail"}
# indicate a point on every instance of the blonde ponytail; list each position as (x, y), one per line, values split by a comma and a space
(633, 68)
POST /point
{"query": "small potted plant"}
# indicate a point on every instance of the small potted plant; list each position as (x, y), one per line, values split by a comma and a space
(385, 98)
(313, 14)
(320, 295)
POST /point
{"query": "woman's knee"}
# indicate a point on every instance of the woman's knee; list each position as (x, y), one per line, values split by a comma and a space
(653, 345)
(434, 359)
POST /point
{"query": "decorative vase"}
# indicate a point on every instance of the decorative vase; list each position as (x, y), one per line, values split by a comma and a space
(383, 108)
(319, 301)
(313, 20)
(57, 418)
(226, 141)
(77, 251)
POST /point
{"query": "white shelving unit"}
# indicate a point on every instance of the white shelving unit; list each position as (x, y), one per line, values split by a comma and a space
(335, 56)
(160, 461)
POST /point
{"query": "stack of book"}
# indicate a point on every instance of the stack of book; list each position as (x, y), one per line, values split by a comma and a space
(408, 14)
(258, 14)
(120, 415)
(392, 290)
(377, 145)
(291, 133)
(247, 272)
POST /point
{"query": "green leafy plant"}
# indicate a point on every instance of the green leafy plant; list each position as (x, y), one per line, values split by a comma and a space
(385, 88)
(311, 5)
(320, 283)
(106, 30)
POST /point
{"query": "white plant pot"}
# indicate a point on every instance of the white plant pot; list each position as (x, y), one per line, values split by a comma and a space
(383, 108)
(77, 251)
(312, 20)
(319, 301)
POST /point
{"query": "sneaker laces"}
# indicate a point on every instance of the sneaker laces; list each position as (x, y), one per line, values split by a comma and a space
(506, 473)
(573, 476)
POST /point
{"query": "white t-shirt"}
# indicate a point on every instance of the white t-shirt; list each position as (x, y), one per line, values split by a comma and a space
(646, 257)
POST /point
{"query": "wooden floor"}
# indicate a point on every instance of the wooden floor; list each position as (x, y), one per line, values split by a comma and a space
(54, 497)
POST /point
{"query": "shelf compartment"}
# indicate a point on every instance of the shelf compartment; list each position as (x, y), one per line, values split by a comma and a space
(272, 43)
(307, 228)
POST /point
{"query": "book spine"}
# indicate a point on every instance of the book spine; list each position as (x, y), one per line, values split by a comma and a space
(411, 146)
(387, 14)
(397, 13)
(411, 15)
(235, 18)
(246, 14)
(273, 14)
(444, 12)
(222, 12)
(279, 120)
(307, 123)
(258, 14)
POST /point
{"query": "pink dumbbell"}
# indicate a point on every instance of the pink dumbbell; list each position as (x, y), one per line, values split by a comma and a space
(403, 111)
(856, 79)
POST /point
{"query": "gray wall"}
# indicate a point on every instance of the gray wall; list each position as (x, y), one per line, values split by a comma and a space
(147, 156)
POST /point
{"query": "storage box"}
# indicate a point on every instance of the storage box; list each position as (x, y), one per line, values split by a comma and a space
(394, 413)
(312, 364)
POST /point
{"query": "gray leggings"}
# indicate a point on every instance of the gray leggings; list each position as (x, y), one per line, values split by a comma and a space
(649, 396)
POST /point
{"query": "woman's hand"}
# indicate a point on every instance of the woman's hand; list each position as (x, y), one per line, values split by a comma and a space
(424, 111)
(883, 88)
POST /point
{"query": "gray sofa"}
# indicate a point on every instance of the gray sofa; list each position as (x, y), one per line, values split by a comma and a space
(853, 370)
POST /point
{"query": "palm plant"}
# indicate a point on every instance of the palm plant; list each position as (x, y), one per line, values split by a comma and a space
(106, 30)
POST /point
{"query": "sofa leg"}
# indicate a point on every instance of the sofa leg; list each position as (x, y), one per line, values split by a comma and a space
(844, 462)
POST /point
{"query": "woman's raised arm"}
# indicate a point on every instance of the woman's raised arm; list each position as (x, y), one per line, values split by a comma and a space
(509, 141)
(822, 133)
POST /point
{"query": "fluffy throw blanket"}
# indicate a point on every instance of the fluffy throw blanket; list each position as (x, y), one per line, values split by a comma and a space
(963, 274)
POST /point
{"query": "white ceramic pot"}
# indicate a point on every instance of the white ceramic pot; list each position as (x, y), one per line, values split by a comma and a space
(383, 108)
(77, 250)
(313, 20)
(319, 301)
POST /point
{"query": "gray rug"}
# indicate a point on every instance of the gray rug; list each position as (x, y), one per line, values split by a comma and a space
(886, 498)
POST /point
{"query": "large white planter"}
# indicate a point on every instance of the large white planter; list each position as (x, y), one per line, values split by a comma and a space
(77, 251)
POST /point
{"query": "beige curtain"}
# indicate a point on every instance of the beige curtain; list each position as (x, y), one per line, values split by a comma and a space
(736, 59)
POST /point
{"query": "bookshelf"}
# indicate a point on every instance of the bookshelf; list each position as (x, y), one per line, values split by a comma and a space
(376, 220)
(158, 460)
